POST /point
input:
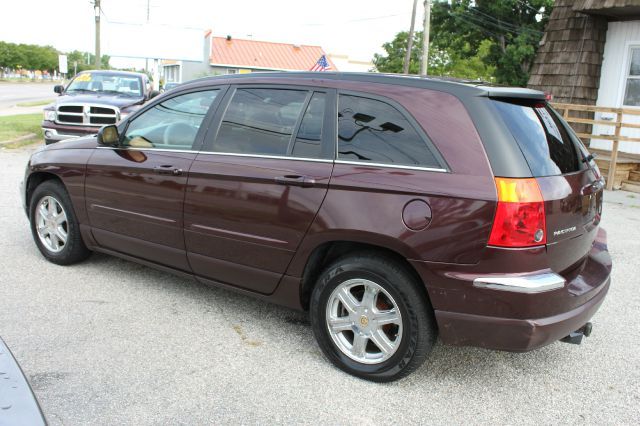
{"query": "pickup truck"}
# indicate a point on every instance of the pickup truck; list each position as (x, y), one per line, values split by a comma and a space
(94, 99)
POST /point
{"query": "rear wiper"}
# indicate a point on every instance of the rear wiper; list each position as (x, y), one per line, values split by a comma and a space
(589, 158)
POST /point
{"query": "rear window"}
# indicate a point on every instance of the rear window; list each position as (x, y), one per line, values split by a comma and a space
(542, 136)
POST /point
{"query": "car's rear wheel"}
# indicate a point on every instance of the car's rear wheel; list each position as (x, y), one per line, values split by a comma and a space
(371, 319)
(54, 225)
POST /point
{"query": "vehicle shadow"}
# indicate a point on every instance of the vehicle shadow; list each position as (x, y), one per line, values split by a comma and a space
(446, 363)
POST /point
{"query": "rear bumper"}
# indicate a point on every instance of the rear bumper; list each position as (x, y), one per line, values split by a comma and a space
(515, 334)
(513, 310)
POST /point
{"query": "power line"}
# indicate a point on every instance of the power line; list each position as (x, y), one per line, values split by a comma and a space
(527, 5)
(480, 27)
(372, 18)
(500, 25)
(501, 22)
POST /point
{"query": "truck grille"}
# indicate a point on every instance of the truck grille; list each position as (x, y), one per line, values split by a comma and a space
(87, 115)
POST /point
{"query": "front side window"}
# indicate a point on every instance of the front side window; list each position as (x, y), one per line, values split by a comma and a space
(260, 121)
(632, 90)
(172, 124)
(374, 131)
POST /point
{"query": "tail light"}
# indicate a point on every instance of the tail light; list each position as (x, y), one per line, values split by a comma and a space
(520, 217)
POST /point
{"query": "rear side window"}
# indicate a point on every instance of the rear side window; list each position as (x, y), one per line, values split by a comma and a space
(260, 121)
(542, 137)
(309, 137)
(375, 131)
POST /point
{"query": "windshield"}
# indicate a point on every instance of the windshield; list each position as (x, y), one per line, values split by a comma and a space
(106, 83)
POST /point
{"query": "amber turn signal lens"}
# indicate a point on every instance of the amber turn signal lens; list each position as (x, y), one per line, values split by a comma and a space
(518, 190)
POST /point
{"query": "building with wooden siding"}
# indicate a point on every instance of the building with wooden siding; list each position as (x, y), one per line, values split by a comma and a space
(590, 54)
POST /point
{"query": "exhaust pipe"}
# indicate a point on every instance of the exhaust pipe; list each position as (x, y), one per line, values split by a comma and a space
(575, 337)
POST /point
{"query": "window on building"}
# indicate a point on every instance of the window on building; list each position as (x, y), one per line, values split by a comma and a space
(632, 90)
(375, 131)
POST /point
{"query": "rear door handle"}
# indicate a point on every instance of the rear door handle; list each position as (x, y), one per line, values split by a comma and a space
(592, 188)
(167, 170)
(296, 180)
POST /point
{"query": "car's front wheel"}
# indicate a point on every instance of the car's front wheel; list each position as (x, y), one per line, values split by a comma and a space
(54, 225)
(371, 319)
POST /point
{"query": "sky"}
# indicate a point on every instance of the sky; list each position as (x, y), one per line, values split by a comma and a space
(357, 28)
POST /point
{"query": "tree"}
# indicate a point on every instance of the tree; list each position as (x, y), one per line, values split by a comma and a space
(85, 61)
(443, 61)
(44, 58)
(485, 39)
(11, 56)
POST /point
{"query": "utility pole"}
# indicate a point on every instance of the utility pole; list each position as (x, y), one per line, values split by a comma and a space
(407, 58)
(96, 8)
(425, 38)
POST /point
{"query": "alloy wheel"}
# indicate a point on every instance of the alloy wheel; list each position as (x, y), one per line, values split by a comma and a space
(364, 321)
(52, 224)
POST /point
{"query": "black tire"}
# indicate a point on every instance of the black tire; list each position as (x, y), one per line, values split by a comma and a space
(74, 249)
(419, 330)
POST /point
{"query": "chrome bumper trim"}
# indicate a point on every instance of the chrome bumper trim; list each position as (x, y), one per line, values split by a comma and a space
(54, 135)
(536, 283)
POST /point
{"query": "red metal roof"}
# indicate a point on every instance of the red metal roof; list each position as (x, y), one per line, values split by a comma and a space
(264, 54)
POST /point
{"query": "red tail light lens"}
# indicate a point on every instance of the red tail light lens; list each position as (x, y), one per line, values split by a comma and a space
(520, 217)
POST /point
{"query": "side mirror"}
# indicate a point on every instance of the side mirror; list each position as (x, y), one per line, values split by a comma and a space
(153, 94)
(108, 135)
(58, 88)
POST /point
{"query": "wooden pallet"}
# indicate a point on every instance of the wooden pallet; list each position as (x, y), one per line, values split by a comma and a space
(627, 165)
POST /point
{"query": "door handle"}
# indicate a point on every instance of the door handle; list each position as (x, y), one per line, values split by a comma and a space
(167, 170)
(592, 188)
(296, 180)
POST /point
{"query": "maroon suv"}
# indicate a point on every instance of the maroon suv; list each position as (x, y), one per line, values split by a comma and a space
(394, 209)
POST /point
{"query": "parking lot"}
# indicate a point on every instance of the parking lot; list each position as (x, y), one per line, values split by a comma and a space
(112, 342)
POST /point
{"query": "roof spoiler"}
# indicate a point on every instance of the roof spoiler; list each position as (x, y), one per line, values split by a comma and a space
(515, 93)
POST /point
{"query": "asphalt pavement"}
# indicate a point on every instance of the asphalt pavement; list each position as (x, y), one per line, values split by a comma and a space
(112, 342)
(12, 94)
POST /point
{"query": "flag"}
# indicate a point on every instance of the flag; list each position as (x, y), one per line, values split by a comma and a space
(321, 65)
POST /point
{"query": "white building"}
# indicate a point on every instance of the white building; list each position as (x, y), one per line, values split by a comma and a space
(620, 82)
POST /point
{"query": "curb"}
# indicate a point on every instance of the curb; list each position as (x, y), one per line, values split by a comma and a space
(20, 139)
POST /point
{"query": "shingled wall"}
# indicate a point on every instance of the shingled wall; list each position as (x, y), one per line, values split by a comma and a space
(569, 58)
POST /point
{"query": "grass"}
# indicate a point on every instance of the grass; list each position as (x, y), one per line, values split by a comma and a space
(35, 103)
(15, 126)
